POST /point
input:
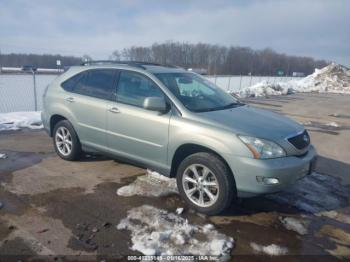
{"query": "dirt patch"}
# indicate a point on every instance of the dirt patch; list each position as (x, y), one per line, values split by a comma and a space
(261, 219)
(336, 234)
(16, 161)
(54, 173)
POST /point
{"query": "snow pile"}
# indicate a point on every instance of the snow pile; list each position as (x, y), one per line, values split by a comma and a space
(272, 250)
(333, 78)
(18, 120)
(156, 232)
(264, 89)
(294, 224)
(151, 184)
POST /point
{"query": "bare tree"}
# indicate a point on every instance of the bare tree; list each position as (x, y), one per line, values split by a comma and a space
(221, 59)
(43, 61)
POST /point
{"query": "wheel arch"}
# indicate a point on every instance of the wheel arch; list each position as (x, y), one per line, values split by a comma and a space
(187, 149)
(54, 119)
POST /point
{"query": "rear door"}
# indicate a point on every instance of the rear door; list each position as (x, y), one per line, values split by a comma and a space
(88, 99)
(133, 131)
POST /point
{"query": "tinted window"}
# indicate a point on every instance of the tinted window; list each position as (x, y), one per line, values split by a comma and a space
(98, 83)
(133, 88)
(69, 84)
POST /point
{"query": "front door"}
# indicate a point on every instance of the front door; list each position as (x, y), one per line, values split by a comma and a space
(133, 131)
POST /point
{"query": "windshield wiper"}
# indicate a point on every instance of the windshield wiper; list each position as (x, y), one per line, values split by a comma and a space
(231, 105)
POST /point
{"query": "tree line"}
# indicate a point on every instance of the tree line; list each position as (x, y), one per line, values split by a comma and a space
(42, 61)
(217, 59)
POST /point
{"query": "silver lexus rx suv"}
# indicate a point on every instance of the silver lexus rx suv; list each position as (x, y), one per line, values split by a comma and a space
(179, 124)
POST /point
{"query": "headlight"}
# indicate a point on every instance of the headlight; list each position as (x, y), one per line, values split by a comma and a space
(262, 148)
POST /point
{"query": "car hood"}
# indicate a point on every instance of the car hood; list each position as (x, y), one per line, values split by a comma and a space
(251, 121)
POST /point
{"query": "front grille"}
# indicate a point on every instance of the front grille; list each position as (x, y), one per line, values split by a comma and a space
(300, 141)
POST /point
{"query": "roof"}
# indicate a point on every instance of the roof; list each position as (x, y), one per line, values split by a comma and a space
(164, 69)
(150, 67)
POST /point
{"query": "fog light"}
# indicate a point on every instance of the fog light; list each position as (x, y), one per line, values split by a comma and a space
(267, 180)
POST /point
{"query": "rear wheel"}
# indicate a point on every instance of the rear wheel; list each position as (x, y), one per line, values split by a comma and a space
(206, 183)
(66, 141)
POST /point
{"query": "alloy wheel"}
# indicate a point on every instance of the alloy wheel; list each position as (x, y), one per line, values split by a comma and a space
(200, 185)
(63, 141)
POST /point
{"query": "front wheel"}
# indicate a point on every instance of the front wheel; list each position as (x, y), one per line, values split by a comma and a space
(206, 183)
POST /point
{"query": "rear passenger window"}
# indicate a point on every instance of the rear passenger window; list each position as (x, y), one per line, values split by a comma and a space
(133, 88)
(97, 83)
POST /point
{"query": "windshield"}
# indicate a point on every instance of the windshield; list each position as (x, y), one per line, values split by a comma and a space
(196, 93)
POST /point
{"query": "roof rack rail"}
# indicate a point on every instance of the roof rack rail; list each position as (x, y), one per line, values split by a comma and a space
(129, 63)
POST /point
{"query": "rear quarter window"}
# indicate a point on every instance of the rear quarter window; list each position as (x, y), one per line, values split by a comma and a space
(70, 83)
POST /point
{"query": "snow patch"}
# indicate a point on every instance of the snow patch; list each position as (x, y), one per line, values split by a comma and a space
(272, 250)
(332, 124)
(179, 210)
(3, 156)
(294, 224)
(18, 120)
(333, 78)
(151, 184)
(156, 232)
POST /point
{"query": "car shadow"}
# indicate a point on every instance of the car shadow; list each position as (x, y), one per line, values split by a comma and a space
(93, 157)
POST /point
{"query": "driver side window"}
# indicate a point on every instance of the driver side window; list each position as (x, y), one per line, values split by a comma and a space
(133, 88)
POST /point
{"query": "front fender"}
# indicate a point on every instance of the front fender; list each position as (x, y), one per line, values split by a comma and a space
(220, 141)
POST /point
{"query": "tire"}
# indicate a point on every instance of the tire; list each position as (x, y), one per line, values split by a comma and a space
(218, 174)
(71, 149)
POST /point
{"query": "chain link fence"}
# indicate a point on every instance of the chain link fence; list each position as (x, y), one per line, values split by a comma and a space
(18, 92)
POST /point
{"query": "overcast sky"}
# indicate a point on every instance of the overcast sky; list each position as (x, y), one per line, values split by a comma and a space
(320, 29)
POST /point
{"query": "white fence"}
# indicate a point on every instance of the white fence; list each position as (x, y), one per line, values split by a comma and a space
(17, 90)
(236, 83)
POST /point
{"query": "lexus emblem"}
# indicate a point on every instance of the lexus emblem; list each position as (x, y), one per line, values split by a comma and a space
(306, 138)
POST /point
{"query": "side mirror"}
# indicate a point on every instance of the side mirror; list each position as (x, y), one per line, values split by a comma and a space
(155, 104)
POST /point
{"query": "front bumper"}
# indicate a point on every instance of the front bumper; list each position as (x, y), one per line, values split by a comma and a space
(286, 169)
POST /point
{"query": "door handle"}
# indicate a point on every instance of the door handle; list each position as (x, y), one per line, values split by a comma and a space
(114, 110)
(70, 99)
